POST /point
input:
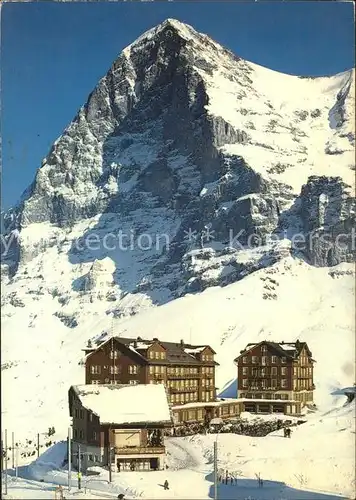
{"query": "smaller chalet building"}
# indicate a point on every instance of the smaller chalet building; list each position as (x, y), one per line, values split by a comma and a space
(275, 377)
(121, 424)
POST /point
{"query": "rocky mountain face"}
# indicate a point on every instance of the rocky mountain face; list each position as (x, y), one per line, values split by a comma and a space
(184, 139)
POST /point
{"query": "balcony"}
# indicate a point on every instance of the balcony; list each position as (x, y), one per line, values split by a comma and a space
(267, 388)
(157, 376)
(174, 376)
(174, 390)
(140, 450)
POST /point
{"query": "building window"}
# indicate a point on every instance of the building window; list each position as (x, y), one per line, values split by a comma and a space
(114, 370)
(75, 433)
(95, 369)
(245, 370)
(95, 435)
(244, 359)
(95, 381)
(283, 382)
(264, 360)
(163, 355)
(151, 354)
(254, 359)
(274, 383)
(133, 369)
(274, 370)
(284, 370)
(274, 359)
(263, 349)
(157, 354)
(114, 354)
(284, 359)
(244, 382)
(81, 434)
(133, 382)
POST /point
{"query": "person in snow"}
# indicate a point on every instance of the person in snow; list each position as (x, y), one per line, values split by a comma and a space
(166, 485)
(121, 496)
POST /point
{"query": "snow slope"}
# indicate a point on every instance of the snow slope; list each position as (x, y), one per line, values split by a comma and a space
(317, 463)
(286, 301)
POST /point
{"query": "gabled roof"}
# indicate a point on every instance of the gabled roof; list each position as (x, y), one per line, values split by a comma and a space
(126, 404)
(176, 353)
(291, 350)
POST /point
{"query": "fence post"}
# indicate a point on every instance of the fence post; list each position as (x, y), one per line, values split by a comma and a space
(215, 470)
(13, 449)
(5, 462)
(69, 449)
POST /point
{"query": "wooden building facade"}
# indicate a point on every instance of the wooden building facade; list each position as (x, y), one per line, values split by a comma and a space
(110, 427)
(276, 373)
(187, 371)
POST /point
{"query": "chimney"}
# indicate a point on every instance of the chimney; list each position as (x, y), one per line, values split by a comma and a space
(155, 338)
(139, 338)
(135, 344)
(182, 342)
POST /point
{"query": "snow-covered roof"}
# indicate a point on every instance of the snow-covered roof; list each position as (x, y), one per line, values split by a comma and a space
(197, 350)
(218, 402)
(142, 345)
(126, 404)
(250, 400)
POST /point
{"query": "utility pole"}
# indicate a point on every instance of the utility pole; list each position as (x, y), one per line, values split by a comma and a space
(17, 461)
(110, 471)
(5, 462)
(13, 449)
(38, 445)
(2, 453)
(79, 467)
(215, 470)
(69, 449)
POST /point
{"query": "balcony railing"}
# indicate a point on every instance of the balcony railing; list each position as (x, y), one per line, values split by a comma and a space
(267, 388)
(173, 390)
(159, 376)
(140, 450)
(185, 375)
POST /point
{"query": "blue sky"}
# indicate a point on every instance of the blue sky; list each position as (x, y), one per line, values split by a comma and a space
(53, 54)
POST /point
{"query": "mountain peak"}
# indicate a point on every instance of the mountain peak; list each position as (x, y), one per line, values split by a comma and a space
(171, 27)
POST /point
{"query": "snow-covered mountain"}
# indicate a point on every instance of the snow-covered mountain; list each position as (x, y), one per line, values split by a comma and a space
(187, 168)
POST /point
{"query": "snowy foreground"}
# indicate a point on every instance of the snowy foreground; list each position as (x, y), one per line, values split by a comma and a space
(317, 463)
